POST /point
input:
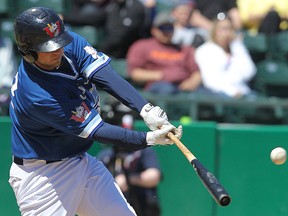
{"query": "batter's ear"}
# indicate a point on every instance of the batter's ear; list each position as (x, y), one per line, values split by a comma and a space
(30, 56)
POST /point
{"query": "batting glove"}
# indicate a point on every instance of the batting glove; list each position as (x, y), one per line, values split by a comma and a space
(178, 132)
(160, 136)
(154, 117)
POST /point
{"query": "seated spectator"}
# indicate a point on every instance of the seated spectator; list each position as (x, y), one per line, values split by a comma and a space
(266, 17)
(206, 11)
(161, 66)
(225, 64)
(138, 174)
(150, 13)
(122, 22)
(184, 33)
(8, 70)
(88, 12)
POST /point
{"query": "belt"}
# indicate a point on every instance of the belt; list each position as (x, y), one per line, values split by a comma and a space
(21, 161)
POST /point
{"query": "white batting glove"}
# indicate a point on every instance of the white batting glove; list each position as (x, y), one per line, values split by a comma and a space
(154, 117)
(178, 132)
(160, 136)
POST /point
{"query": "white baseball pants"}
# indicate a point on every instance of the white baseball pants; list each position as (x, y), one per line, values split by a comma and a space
(79, 185)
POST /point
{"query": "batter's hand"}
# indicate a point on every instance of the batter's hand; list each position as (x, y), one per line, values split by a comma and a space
(178, 132)
(154, 117)
(160, 136)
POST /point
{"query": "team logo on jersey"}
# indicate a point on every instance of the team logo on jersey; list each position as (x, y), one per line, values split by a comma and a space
(91, 51)
(82, 112)
(53, 29)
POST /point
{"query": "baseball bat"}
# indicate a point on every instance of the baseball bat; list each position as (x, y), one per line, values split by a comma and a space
(214, 187)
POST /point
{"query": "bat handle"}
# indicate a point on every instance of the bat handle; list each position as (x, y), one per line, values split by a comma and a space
(188, 154)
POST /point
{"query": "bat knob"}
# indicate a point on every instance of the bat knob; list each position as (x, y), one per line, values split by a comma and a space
(225, 200)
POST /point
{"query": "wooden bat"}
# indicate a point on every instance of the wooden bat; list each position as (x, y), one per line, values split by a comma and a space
(208, 179)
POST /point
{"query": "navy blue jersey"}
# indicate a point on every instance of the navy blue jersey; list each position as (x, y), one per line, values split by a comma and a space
(54, 113)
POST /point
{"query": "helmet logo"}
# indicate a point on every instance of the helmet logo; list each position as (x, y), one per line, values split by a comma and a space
(53, 29)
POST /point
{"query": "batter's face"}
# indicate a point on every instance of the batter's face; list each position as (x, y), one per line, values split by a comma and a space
(49, 60)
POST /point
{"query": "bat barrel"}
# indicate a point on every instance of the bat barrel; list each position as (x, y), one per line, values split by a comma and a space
(208, 179)
(224, 200)
(212, 184)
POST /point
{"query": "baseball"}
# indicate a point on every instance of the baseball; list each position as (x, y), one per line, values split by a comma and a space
(278, 155)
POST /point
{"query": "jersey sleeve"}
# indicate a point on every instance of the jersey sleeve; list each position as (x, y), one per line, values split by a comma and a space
(110, 81)
(88, 60)
(75, 117)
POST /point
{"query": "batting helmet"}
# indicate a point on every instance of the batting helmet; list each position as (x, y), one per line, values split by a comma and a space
(39, 29)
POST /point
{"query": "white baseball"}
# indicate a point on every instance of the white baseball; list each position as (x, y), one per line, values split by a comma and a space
(278, 155)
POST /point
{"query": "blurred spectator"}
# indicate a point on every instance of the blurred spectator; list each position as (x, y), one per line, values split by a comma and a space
(264, 16)
(89, 12)
(124, 25)
(121, 20)
(225, 64)
(161, 66)
(184, 33)
(207, 10)
(8, 69)
(150, 13)
(137, 173)
(149, 3)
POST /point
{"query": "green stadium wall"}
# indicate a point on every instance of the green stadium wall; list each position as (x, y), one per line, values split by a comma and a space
(238, 155)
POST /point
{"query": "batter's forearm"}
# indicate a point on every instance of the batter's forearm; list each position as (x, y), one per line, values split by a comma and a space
(121, 137)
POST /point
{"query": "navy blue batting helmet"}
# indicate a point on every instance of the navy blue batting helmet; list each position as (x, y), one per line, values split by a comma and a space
(39, 29)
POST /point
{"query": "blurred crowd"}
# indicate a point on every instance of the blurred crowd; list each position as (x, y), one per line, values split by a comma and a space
(184, 46)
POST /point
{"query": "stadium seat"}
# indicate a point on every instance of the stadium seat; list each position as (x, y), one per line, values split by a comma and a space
(89, 32)
(278, 44)
(120, 65)
(60, 6)
(7, 29)
(272, 78)
(255, 43)
(5, 6)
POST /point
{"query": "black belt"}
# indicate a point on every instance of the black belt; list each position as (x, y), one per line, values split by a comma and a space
(20, 161)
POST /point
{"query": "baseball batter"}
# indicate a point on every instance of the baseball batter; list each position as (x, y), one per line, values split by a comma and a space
(56, 118)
